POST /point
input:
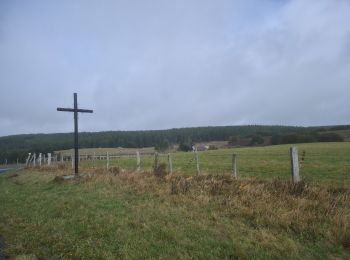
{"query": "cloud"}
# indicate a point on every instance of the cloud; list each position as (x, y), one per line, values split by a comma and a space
(173, 63)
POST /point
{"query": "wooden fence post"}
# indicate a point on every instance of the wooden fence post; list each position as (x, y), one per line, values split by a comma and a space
(49, 159)
(197, 162)
(170, 164)
(156, 161)
(93, 160)
(107, 160)
(28, 159)
(31, 160)
(234, 165)
(138, 161)
(294, 164)
(73, 161)
(34, 159)
(40, 159)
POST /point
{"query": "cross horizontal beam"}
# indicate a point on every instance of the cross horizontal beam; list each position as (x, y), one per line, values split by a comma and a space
(74, 110)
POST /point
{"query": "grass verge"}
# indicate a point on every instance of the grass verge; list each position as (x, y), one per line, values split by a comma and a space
(142, 215)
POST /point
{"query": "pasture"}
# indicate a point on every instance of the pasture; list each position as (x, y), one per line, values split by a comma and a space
(112, 214)
(322, 162)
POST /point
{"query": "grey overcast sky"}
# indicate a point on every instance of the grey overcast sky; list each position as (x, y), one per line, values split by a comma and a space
(161, 64)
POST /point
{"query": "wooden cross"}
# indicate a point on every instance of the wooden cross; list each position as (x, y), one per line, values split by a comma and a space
(76, 142)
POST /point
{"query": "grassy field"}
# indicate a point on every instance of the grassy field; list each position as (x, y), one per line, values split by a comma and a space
(323, 162)
(132, 215)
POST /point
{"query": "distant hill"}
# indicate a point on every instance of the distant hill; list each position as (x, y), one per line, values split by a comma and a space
(18, 146)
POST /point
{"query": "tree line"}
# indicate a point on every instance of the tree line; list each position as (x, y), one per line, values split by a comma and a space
(18, 146)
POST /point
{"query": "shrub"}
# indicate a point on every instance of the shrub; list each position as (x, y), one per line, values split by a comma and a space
(114, 170)
(186, 145)
(163, 145)
(161, 171)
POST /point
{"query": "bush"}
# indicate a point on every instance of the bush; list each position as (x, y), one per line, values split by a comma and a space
(163, 145)
(186, 145)
(161, 170)
(114, 170)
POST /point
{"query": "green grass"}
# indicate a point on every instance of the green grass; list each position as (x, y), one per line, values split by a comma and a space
(139, 215)
(323, 162)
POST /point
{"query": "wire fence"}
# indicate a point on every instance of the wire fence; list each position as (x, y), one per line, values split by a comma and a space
(263, 162)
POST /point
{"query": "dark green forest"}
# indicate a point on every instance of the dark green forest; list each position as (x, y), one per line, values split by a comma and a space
(18, 146)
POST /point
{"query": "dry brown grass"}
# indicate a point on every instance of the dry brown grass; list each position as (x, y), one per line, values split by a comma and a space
(299, 209)
(130, 212)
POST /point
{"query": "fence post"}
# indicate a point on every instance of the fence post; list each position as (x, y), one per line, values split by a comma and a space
(28, 159)
(294, 164)
(234, 165)
(39, 159)
(170, 164)
(107, 160)
(17, 161)
(49, 159)
(73, 160)
(156, 161)
(34, 159)
(197, 162)
(31, 160)
(93, 160)
(138, 161)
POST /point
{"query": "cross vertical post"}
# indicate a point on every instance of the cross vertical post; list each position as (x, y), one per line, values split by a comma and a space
(76, 110)
(76, 140)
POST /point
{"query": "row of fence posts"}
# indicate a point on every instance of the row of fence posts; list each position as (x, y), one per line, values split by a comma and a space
(293, 155)
(33, 160)
(37, 161)
(5, 161)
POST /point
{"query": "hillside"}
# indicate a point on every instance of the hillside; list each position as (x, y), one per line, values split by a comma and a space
(17, 146)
